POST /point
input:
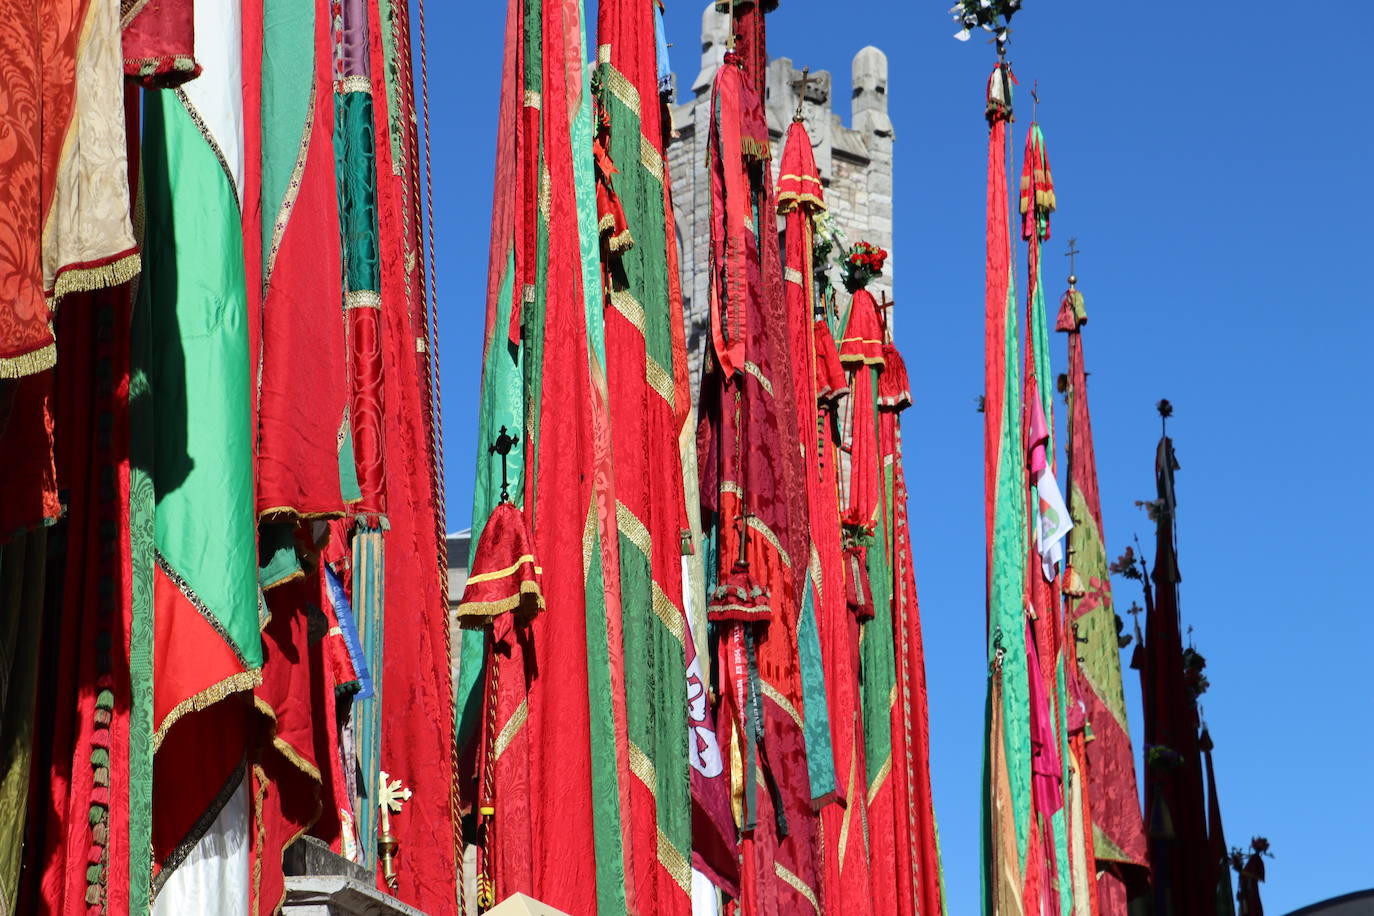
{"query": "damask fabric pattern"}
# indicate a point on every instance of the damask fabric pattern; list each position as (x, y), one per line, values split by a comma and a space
(64, 206)
(1118, 833)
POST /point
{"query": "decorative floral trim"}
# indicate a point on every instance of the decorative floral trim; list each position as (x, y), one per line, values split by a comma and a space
(165, 72)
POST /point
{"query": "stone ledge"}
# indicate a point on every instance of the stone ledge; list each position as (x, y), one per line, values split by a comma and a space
(335, 895)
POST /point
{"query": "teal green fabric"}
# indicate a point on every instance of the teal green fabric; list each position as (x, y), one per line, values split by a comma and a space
(356, 172)
(193, 290)
(288, 73)
(820, 753)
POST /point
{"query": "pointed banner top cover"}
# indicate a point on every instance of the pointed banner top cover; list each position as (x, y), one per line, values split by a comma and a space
(505, 574)
(1037, 186)
(799, 182)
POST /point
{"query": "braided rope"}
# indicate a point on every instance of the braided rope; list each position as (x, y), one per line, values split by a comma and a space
(429, 304)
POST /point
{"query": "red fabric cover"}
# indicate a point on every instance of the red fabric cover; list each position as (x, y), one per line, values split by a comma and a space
(894, 390)
(367, 403)
(1037, 186)
(749, 461)
(303, 388)
(160, 44)
(862, 342)
(296, 706)
(831, 383)
(799, 181)
(417, 714)
(505, 574)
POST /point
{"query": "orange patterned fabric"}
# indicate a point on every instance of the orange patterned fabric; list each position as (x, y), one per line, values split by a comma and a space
(64, 203)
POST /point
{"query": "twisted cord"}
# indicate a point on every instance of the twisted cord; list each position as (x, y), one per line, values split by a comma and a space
(429, 305)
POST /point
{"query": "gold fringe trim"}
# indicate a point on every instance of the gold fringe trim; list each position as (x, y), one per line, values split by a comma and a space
(292, 577)
(283, 747)
(789, 200)
(128, 9)
(606, 223)
(500, 606)
(234, 683)
(620, 242)
(533, 99)
(259, 797)
(98, 276)
(755, 149)
(31, 363)
(287, 513)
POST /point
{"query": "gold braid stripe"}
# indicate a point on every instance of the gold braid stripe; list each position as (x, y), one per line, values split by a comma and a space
(650, 159)
(627, 305)
(757, 524)
(797, 885)
(674, 862)
(643, 769)
(354, 83)
(622, 89)
(669, 614)
(293, 756)
(502, 573)
(603, 54)
(512, 727)
(772, 693)
(881, 778)
(545, 192)
(293, 187)
(630, 526)
(817, 574)
(659, 380)
(362, 299)
(589, 539)
(734, 489)
(754, 370)
(849, 799)
(792, 275)
(533, 99)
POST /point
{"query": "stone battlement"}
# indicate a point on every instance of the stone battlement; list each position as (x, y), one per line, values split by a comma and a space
(855, 161)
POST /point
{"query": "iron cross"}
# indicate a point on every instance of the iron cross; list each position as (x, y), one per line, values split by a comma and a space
(800, 85)
(1072, 255)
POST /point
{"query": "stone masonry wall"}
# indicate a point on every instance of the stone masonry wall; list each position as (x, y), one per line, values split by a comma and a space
(855, 163)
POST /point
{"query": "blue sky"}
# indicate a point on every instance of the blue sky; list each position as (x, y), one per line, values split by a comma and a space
(1214, 167)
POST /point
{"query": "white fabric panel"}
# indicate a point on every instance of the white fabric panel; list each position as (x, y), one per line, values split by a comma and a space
(213, 880)
(217, 94)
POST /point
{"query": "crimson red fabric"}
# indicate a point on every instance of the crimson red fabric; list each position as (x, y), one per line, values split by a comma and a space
(159, 44)
(303, 342)
(83, 670)
(505, 574)
(417, 714)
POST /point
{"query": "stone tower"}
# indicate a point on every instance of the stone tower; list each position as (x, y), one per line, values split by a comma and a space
(855, 162)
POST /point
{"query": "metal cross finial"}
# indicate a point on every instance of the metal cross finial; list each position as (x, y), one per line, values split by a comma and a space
(800, 85)
(1072, 255)
(502, 446)
(1035, 101)
(744, 536)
